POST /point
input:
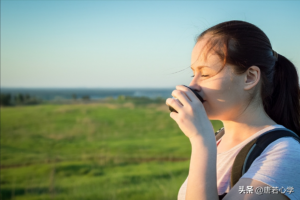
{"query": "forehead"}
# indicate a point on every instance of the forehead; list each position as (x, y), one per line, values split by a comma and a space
(200, 58)
(198, 50)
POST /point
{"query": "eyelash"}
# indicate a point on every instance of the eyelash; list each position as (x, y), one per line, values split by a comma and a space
(202, 75)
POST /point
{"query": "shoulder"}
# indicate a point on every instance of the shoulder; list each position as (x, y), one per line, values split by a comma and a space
(273, 172)
(277, 166)
(282, 153)
(283, 148)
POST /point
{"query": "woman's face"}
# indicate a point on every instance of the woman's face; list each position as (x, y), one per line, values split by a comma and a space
(223, 92)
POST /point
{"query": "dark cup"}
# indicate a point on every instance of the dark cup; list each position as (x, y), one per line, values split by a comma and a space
(197, 95)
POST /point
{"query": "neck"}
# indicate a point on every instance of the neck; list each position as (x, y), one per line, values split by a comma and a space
(248, 123)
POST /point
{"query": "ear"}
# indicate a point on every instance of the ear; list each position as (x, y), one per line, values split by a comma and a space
(252, 77)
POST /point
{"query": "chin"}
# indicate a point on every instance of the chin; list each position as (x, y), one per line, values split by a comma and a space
(213, 116)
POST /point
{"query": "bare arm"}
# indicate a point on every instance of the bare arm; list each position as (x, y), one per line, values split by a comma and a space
(202, 184)
(202, 181)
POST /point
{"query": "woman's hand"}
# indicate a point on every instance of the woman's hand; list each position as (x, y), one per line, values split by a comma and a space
(191, 117)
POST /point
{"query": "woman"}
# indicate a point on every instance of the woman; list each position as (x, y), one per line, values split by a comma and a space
(251, 89)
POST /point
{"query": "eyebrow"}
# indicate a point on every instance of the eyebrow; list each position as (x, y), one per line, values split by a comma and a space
(198, 67)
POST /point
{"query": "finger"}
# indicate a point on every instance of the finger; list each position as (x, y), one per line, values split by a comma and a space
(174, 103)
(183, 88)
(181, 96)
(174, 115)
(190, 94)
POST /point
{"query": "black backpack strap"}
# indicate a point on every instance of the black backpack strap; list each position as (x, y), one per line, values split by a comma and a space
(222, 196)
(237, 167)
(253, 149)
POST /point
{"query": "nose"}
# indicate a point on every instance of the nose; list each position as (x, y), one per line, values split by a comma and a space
(194, 85)
(197, 90)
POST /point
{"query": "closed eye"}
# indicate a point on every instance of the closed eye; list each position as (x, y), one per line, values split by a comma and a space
(201, 75)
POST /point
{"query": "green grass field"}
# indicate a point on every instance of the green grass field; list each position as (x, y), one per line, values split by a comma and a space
(92, 151)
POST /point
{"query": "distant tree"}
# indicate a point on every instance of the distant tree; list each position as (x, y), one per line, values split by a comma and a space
(19, 98)
(27, 97)
(86, 97)
(15, 98)
(74, 96)
(33, 101)
(5, 99)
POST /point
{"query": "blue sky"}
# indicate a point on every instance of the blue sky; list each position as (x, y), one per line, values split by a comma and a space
(121, 44)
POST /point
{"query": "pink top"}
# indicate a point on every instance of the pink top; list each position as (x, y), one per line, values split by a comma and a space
(277, 166)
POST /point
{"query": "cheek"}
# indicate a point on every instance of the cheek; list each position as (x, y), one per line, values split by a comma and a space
(223, 97)
(217, 90)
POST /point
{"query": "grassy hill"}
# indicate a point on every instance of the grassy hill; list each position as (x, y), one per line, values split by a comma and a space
(92, 151)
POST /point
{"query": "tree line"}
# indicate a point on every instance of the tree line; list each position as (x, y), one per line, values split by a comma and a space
(18, 99)
(85, 97)
(6, 99)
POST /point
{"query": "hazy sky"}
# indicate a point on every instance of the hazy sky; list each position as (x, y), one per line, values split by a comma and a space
(124, 43)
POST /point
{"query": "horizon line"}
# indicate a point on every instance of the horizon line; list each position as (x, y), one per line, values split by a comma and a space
(86, 87)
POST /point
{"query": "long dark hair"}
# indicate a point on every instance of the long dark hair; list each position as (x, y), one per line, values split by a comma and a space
(243, 45)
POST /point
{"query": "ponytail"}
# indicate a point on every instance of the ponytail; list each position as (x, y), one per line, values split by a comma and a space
(283, 105)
